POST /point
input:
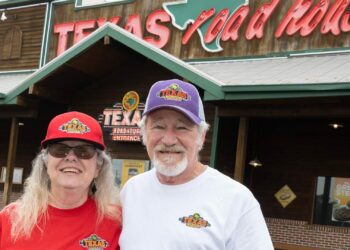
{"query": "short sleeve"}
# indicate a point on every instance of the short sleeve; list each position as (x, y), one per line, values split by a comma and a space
(251, 232)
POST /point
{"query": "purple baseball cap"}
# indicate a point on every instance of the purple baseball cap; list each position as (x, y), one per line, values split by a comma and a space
(178, 95)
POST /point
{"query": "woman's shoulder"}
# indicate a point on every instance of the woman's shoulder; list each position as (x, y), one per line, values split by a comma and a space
(115, 211)
(5, 213)
(111, 211)
(9, 208)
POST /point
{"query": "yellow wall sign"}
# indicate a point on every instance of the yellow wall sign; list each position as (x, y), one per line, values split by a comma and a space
(131, 168)
(130, 100)
(285, 196)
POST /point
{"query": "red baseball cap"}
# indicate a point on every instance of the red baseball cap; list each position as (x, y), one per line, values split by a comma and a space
(74, 125)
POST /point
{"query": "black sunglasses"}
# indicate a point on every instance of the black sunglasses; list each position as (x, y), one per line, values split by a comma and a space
(61, 150)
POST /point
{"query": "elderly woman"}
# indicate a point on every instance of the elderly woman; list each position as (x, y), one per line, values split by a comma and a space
(70, 199)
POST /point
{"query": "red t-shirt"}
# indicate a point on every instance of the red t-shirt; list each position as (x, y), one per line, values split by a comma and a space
(66, 229)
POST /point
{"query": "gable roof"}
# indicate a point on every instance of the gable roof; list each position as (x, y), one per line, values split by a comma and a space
(319, 75)
(197, 77)
(11, 80)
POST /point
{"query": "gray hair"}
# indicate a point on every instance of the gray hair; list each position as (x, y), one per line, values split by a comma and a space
(203, 127)
(35, 200)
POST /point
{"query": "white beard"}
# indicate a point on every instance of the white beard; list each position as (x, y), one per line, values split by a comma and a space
(170, 171)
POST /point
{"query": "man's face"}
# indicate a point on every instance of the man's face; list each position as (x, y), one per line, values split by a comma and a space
(172, 141)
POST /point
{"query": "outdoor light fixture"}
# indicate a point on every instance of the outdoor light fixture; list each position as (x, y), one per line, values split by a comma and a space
(336, 125)
(255, 163)
(3, 16)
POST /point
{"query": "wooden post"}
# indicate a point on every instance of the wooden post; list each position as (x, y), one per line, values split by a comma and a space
(11, 156)
(241, 149)
(214, 141)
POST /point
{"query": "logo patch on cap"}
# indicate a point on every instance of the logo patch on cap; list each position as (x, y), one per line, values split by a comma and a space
(74, 126)
(174, 92)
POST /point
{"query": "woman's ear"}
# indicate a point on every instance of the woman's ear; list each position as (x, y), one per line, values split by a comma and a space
(98, 169)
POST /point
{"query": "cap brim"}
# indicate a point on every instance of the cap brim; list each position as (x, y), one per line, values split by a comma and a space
(45, 143)
(187, 113)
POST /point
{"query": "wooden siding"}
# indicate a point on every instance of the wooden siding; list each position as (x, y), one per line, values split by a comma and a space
(21, 38)
(193, 50)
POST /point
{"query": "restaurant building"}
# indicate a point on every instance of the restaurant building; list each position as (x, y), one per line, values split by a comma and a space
(274, 77)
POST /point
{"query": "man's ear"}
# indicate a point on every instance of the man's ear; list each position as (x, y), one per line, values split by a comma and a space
(202, 140)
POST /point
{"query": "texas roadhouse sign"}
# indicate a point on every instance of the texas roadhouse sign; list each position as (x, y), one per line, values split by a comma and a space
(221, 20)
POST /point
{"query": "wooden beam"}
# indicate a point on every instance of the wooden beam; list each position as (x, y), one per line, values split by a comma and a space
(214, 141)
(50, 94)
(241, 149)
(27, 102)
(11, 156)
(9, 112)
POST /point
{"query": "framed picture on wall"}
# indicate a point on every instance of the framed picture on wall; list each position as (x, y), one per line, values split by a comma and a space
(127, 168)
(332, 201)
(17, 175)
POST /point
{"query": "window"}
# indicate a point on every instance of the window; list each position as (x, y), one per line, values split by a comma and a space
(16, 178)
(332, 201)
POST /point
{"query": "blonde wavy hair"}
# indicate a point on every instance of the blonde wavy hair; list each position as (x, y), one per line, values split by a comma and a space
(36, 196)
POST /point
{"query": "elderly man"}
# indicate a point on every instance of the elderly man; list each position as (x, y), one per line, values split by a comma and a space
(182, 203)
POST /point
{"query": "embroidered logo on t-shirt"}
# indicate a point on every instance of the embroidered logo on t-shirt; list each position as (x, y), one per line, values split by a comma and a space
(195, 221)
(94, 242)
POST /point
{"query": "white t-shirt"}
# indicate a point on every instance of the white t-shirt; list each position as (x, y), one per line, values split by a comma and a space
(211, 211)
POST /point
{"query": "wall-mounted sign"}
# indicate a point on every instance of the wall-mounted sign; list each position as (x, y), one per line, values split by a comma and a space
(131, 168)
(131, 101)
(217, 21)
(220, 21)
(341, 199)
(122, 119)
(285, 196)
(127, 168)
(332, 201)
(159, 37)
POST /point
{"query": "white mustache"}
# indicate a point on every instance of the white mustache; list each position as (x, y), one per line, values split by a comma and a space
(174, 148)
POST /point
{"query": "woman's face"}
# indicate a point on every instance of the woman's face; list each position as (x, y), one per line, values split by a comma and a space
(70, 171)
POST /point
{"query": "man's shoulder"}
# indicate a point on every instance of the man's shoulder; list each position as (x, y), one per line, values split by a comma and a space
(214, 174)
(224, 182)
